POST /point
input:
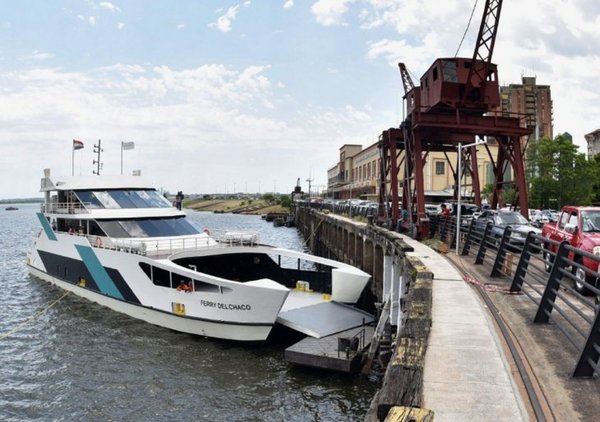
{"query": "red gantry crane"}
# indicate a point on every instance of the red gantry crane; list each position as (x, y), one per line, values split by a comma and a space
(455, 103)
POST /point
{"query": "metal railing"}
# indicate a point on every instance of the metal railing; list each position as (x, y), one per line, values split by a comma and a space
(64, 208)
(170, 245)
(553, 276)
(351, 346)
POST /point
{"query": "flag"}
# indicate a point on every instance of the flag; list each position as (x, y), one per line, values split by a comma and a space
(77, 144)
(127, 145)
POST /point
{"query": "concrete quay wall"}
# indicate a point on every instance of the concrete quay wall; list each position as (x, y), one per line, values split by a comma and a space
(396, 277)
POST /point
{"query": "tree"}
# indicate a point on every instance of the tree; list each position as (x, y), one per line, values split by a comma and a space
(557, 174)
(268, 197)
(285, 201)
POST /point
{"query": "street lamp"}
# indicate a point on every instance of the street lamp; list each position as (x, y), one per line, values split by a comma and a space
(459, 149)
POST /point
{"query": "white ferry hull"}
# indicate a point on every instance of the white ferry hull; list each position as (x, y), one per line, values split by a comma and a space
(221, 330)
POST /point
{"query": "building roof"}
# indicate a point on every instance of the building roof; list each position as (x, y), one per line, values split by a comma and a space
(590, 136)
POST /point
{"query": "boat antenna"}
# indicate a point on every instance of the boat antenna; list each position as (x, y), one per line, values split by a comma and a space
(97, 150)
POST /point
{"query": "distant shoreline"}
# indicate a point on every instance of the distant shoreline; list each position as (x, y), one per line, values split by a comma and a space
(235, 206)
(21, 201)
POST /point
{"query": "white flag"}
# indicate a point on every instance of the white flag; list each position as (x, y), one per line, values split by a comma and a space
(127, 145)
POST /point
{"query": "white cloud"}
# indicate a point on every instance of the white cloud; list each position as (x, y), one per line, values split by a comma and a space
(109, 6)
(288, 4)
(38, 55)
(91, 20)
(179, 118)
(120, 25)
(330, 12)
(223, 23)
(180, 26)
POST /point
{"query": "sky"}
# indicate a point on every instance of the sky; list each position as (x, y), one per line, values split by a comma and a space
(250, 96)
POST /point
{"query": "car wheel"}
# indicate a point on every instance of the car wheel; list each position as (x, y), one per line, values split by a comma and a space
(548, 260)
(580, 278)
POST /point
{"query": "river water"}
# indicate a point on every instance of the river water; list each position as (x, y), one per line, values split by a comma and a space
(80, 361)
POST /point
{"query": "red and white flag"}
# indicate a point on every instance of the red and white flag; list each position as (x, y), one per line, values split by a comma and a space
(77, 144)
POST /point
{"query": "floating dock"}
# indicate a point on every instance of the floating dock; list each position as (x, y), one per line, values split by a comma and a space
(341, 352)
(337, 333)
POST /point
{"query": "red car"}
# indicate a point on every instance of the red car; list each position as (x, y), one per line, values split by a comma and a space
(580, 226)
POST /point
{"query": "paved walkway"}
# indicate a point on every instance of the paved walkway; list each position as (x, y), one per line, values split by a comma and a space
(466, 375)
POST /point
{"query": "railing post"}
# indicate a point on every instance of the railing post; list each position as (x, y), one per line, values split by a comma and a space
(454, 229)
(521, 270)
(590, 353)
(469, 239)
(501, 255)
(433, 226)
(443, 228)
(483, 244)
(549, 295)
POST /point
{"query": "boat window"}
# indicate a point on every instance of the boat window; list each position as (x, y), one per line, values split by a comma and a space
(106, 200)
(148, 227)
(162, 277)
(113, 229)
(123, 198)
(133, 228)
(88, 199)
(147, 269)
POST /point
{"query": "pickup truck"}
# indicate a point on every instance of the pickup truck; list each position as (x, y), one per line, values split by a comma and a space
(580, 226)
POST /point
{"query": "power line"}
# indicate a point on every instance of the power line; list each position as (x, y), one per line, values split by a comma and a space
(466, 29)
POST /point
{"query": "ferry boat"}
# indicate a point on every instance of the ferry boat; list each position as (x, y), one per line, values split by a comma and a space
(118, 242)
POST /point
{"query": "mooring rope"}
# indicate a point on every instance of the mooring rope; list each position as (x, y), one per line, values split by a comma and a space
(32, 318)
(313, 232)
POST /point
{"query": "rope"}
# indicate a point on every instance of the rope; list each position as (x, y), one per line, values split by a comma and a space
(466, 29)
(488, 287)
(313, 232)
(35, 316)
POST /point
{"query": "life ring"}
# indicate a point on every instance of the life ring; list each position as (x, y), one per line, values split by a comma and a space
(98, 242)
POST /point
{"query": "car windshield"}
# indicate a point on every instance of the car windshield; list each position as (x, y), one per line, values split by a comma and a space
(590, 221)
(511, 218)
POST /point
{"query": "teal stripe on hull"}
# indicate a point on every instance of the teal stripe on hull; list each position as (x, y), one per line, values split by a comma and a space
(98, 272)
(46, 226)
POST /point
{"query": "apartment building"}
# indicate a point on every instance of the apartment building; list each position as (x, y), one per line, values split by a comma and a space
(531, 100)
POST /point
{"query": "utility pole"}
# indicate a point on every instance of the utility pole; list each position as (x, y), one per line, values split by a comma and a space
(309, 180)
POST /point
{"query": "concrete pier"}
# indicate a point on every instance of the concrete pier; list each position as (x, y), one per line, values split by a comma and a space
(447, 357)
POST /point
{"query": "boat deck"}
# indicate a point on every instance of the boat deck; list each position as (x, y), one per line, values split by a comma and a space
(314, 315)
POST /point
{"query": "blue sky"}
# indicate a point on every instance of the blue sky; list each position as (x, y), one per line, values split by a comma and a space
(249, 95)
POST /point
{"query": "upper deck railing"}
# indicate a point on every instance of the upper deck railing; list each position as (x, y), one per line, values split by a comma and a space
(169, 245)
(64, 208)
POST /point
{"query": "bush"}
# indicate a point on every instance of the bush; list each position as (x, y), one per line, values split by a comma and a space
(285, 201)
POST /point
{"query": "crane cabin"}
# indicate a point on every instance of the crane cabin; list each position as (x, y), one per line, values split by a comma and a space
(451, 83)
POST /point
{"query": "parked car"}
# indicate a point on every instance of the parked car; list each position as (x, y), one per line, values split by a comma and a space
(580, 226)
(432, 209)
(519, 225)
(466, 212)
(539, 218)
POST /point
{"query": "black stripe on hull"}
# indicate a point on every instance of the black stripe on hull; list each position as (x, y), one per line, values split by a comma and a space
(73, 270)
